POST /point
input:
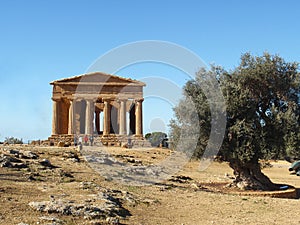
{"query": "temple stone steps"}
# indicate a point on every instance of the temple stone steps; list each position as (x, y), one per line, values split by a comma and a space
(109, 140)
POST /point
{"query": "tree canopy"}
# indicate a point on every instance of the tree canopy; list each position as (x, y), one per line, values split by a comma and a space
(262, 110)
(13, 140)
(157, 138)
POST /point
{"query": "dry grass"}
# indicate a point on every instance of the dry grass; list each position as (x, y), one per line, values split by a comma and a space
(167, 203)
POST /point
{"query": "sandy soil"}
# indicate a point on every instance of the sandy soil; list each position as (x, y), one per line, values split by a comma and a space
(181, 201)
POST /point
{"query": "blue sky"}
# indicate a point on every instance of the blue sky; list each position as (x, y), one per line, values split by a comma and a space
(42, 41)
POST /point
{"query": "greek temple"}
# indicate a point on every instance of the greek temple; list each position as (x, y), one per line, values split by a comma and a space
(97, 104)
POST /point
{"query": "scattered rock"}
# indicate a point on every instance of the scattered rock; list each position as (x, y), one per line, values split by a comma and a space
(46, 163)
(66, 176)
(112, 220)
(9, 158)
(89, 185)
(180, 179)
(197, 187)
(108, 220)
(51, 219)
(18, 165)
(71, 156)
(73, 160)
(61, 144)
(226, 175)
(166, 187)
(131, 160)
(103, 205)
(22, 154)
(11, 162)
(13, 152)
(124, 145)
(31, 178)
(28, 155)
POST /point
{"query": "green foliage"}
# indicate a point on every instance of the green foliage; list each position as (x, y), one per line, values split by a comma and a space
(157, 138)
(262, 99)
(147, 136)
(193, 116)
(262, 96)
(13, 140)
(290, 123)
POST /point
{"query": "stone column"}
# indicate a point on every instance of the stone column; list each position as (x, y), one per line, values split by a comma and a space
(138, 118)
(97, 121)
(76, 116)
(106, 118)
(89, 117)
(55, 125)
(122, 128)
(71, 129)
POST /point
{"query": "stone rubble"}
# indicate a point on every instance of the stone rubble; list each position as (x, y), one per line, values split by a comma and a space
(46, 163)
(13, 158)
(22, 154)
(11, 162)
(53, 220)
(106, 205)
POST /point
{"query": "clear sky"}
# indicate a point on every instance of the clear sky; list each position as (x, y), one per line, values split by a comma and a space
(41, 41)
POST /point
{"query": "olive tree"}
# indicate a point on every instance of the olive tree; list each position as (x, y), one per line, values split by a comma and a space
(262, 111)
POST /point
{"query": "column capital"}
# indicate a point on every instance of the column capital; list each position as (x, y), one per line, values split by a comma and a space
(90, 100)
(138, 100)
(107, 99)
(71, 100)
(77, 98)
(119, 100)
(122, 99)
(56, 99)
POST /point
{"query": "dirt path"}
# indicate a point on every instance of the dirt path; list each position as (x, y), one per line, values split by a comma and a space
(188, 206)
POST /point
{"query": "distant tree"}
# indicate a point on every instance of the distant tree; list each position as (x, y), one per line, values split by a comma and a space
(157, 138)
(148, 135)
(13, 140)
(262, 98)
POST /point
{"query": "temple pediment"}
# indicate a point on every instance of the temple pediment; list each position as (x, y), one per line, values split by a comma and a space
(97, 78)
(97, 85)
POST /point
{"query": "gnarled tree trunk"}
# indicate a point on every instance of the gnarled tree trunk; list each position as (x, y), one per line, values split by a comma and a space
(250, 177)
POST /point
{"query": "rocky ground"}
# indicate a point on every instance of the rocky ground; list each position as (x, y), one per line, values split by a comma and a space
(51, 185)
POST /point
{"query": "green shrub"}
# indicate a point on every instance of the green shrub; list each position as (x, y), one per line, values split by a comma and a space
(13, 140)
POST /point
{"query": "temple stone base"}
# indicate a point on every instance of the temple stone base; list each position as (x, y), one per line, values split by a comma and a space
(124, 140)
(53, 140)
(107, 140)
